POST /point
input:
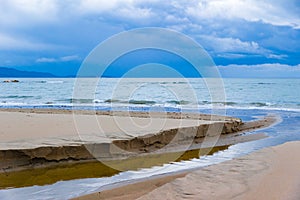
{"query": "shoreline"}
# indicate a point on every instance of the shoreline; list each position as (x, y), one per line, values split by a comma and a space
(270, 173)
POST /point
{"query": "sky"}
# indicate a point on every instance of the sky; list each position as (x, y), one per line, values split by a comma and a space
(245, 38)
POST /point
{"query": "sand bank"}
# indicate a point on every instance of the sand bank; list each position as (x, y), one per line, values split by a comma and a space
(36, 138)
(271, 173)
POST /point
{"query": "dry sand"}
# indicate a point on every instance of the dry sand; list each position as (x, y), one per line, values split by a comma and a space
(31, 138)
(272, 174)
(35, 128)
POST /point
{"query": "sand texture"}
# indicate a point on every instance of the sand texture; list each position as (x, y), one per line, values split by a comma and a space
(272, 174)
(30, 138)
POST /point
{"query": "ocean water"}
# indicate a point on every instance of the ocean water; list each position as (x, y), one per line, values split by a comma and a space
(247, 99)
(173, 94)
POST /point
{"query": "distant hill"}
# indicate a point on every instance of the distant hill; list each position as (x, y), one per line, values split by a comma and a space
(13, 73)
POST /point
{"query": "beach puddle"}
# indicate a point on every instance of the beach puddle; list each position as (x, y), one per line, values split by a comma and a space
(95, 169)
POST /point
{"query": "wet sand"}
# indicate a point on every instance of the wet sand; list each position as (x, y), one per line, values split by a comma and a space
(271, 173)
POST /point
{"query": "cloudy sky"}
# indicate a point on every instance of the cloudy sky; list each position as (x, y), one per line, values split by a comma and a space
(244, 37)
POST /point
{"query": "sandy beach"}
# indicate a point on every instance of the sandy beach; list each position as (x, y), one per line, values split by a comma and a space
(272, 173)
(31, 138)
(36, 144)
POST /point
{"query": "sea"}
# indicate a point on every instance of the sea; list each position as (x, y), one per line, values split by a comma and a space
(247, 99)
(147, 93)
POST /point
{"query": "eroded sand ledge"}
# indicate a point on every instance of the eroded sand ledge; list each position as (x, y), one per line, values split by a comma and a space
(37, 138)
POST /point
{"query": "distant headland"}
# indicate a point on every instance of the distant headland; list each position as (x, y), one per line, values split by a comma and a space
(8, 72)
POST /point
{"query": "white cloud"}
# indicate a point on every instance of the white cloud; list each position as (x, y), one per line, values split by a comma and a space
(231, 55)
(60, 59)
(120, 9)
(271, 12)
(69, 58)
(173, 11)
(268, 66)
(24, 12)
(218, 44)
(260, 71)
(184, 26)
(46, 60)
(98, 6)
(135, 13)
(37, 11)
(276, 56)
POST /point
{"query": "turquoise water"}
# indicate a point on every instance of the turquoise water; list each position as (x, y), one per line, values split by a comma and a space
(245, 98)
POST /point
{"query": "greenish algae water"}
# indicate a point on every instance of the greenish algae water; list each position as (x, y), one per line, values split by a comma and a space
(94, 169)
